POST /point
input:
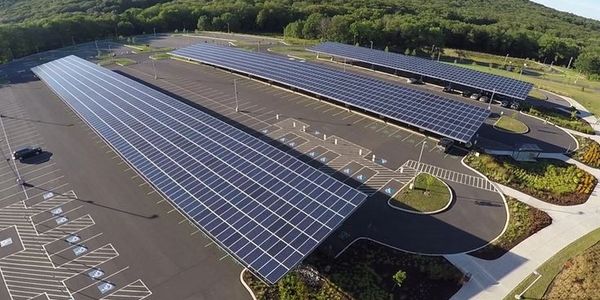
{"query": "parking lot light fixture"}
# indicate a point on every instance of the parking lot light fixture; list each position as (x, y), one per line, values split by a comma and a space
(154, 68)
(421, 154)
(237, 106)
(491, 100)
(371, 44)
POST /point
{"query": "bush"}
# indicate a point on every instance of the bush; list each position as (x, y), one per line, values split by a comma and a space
(588, 152)
(549, 180)
(571, 122)
(524, 221)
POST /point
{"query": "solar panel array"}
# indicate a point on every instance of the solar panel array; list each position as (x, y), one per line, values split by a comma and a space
(267, 208)
(428, 68)
(450, 118)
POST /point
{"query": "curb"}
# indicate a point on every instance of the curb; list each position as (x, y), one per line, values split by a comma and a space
(246, 285)
(424, 212)
(508, 131)
(499, 191)
(563, 129)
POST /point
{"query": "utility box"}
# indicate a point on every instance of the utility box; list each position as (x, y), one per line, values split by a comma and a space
(526, 152)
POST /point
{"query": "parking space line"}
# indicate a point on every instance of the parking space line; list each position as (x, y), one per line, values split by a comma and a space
(406, 137)
(10, 151)
(103, 280)
(63, 213)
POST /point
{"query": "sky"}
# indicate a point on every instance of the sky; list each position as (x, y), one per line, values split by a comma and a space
(585, 8)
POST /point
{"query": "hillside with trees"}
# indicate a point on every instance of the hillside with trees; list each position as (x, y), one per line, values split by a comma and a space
(517, 27)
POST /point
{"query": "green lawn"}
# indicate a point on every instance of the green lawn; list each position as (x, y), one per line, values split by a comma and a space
(160, 56)
(119, 61)
(523, 222)
(429, 194)
(553, 266)
(296, 51)
(584, 92)
(147, 48)
(511, 124)
(466, 57)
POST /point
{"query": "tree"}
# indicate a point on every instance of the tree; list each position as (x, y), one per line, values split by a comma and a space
(589, 62)
(363, 31)
(294, 29)
(558, 50)
(338, 29)
(312, 26)
(273, 16)
(399, 278)
(429, 181)
(203, 23)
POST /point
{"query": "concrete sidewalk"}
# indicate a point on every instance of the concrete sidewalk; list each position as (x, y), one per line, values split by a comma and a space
(495, 279)
(585, 114)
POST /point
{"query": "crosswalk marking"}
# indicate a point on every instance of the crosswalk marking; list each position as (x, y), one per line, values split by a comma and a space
(453, 176)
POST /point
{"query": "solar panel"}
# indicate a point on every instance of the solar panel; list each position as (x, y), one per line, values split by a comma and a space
(471, 78)
(267, 208)
(450, 118)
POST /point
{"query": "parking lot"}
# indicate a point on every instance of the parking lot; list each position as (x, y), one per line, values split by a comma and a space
(387, 147)
(81, 226)
(55, 243)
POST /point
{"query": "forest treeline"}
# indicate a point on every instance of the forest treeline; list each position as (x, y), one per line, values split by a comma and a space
(519, 28)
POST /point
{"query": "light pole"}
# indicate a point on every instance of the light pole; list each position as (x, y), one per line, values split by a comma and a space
(570, 61)
(506, 58)
(228, 28)
(520, 296)
(371, 44)
(235, 93)
(154, 68)
(521, 74)
(491, 100)
(421, 154)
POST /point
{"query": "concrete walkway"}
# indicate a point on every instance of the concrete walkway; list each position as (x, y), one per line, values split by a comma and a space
(495, 279)
(586, 115)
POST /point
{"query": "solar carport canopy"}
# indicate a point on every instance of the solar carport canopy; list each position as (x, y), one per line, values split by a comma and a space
(443, 116)
(462, 76)
(267, 208)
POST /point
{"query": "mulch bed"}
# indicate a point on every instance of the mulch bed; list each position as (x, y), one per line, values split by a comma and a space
(537, 219)
(365, 271)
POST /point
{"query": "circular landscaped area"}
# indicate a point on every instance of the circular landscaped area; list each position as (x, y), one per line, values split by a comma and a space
(428, 195)
(511, 125)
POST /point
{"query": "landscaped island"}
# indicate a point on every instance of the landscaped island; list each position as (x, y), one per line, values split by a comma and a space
(429, 194)
(549, 180)
(523, 222)
(364, 271)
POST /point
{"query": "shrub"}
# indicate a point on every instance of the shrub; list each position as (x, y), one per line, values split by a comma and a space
(571, 122)
(550, 180)
(588, 152)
